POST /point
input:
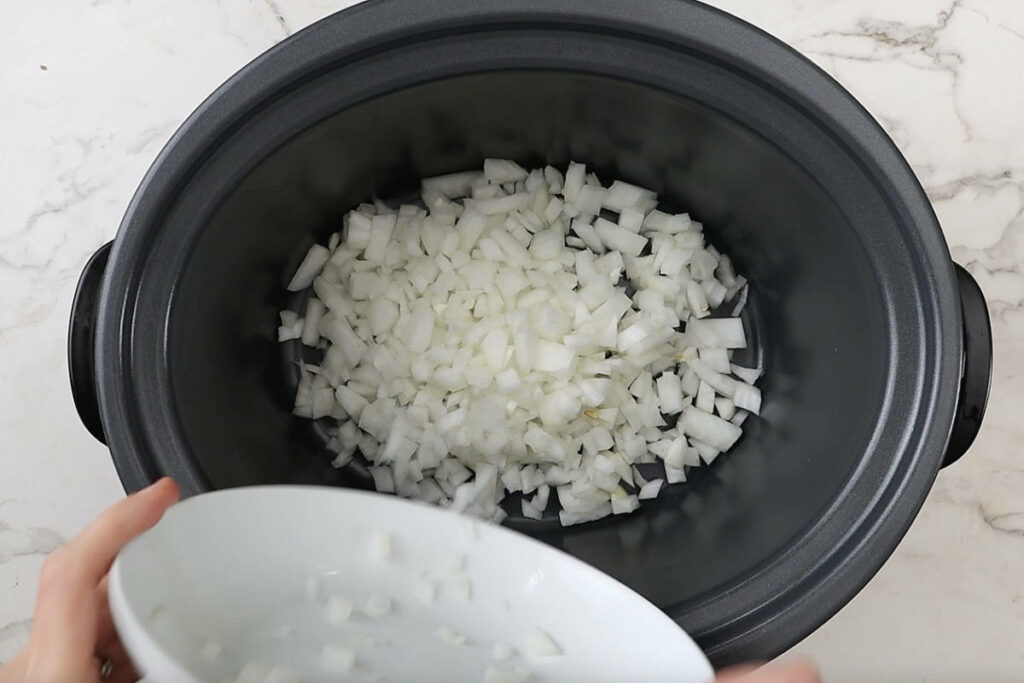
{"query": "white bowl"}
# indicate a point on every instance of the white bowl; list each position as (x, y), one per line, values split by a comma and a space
(231, 571)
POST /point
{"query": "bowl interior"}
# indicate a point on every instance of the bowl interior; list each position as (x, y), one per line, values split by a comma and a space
(231, 569)
(816, 307)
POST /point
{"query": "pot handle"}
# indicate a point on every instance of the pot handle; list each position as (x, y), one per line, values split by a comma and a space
(81, 342)
(976, 368)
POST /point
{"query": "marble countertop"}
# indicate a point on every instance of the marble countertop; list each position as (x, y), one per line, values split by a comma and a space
(90, 91)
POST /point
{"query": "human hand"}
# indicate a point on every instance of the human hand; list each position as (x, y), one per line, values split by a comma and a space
(73, 636)
(790, 671)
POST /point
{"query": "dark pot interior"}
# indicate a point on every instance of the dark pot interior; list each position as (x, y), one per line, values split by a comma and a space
(816, 304)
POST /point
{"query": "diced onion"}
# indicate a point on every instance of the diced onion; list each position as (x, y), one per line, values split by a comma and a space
(450, 636)
(460, 588)
(710, 429)
(339, 609)
(310, 267)
(380, 546)
(513, 334)
(539, 644)
(650, 489)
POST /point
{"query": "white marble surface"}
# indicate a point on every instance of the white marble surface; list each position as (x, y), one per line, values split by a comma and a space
(90, 91)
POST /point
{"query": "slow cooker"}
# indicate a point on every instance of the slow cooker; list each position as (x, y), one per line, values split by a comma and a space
(876, 347)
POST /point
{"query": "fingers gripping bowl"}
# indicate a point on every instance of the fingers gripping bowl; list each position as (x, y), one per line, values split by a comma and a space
(876, 354)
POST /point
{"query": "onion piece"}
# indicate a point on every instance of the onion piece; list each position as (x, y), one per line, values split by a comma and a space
(623, 195)
(725, 408)
(291, 327)
(650, 489)
(450, 636)
(748, 375)
(748, 398)
(705, 398)
(380, 546)
(709, 428)
(716, 359)
(624, 504)
(726, 333)
(618, 238)
(460, 588)
(339, 609)
(503, 171)
(310, 267)
(530, 511)
(315, 310)
(572, 518)
(539, 644)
